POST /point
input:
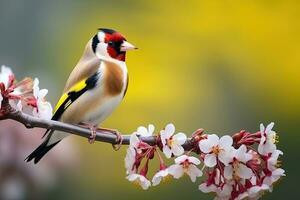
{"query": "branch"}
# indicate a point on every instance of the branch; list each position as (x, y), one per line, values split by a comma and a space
(101, 136)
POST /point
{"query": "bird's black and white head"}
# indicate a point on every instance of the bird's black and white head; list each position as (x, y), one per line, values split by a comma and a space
(110, 44)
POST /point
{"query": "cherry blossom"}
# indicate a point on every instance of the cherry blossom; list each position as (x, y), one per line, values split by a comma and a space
(139, 179)
(42, 109)
(24, 93)
(272, 172)
(272, 160)
(273, 177)
(256, 192)
(204, 187)
(215, 148)
(137, 144)
(186, 165)
(145, 132)
(237, 167)
(13, 92)
(160, 175)
(268, 139)
(130, 160)
(172, 144)
(5, 75)
(224, 192)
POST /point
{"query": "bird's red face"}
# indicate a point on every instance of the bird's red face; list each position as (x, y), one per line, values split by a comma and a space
(111, 43)
(114, 42)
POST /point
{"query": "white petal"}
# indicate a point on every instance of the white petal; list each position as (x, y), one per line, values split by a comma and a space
(226, 142)
(253, 180)
(156, 180)
(130, 159)
(225, 157)
(194, 160)
(206, 145)
(158, 176)
(269, 127)
(168, 132)
(262, 128)
(44, 110)
(6, 70)
(42, 94)
(177, 150)
(34, 112)
(170, 128)
(163, 139)
(269, 147)
(36, 88)
(228, 172)
(194, 172)
(181, 159)
(210, 160)
(244, 172)
(4, 75)
(180, 138)
(256, 191)
(151, 129)
(260, 148)
(146, 184)
(167, 151)
(142, 131)
(240, 153)
(214, 139)
(134, 140)
(278, 172)
(141, 180)
(227, 189)
(176, 171)
(20, 106)
(1, 98)
(132, 177)
(207, 189)
(164, 136)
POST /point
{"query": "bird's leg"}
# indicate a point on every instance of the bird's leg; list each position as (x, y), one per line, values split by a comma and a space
(119, 139)
(93, 129)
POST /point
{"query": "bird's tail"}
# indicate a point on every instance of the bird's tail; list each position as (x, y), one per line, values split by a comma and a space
(41, 150)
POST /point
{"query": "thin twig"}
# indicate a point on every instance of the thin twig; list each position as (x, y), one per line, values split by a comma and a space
(101, 136)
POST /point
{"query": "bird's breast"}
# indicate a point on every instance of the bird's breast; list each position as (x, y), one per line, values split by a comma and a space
(113, 80)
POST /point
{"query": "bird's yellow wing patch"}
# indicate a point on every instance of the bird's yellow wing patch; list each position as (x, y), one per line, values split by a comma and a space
(76, 88)
(74, 93)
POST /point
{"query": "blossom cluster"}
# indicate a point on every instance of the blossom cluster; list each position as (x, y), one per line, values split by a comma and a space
(24, 95)
(242, 166)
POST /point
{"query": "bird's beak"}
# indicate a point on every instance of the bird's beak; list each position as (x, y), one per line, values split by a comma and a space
(127, 46)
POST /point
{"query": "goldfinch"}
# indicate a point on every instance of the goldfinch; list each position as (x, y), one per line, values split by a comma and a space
(95, 87)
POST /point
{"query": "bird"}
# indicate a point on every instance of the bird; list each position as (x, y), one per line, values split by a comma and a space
(95, 87)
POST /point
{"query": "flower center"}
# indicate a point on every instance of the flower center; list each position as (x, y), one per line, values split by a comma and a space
(170, 142)
(216, 150)
(235, 166)
(185, 165)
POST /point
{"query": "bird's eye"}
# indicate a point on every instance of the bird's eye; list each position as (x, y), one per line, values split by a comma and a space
(110, 43)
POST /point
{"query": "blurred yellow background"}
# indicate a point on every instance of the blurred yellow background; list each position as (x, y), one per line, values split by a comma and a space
(218, 65)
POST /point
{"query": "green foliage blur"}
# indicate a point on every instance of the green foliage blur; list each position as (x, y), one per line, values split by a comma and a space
(218, 65)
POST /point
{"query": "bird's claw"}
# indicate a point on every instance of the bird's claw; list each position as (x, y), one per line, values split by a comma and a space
(119, 140)
(93, 135)
(93, 130)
